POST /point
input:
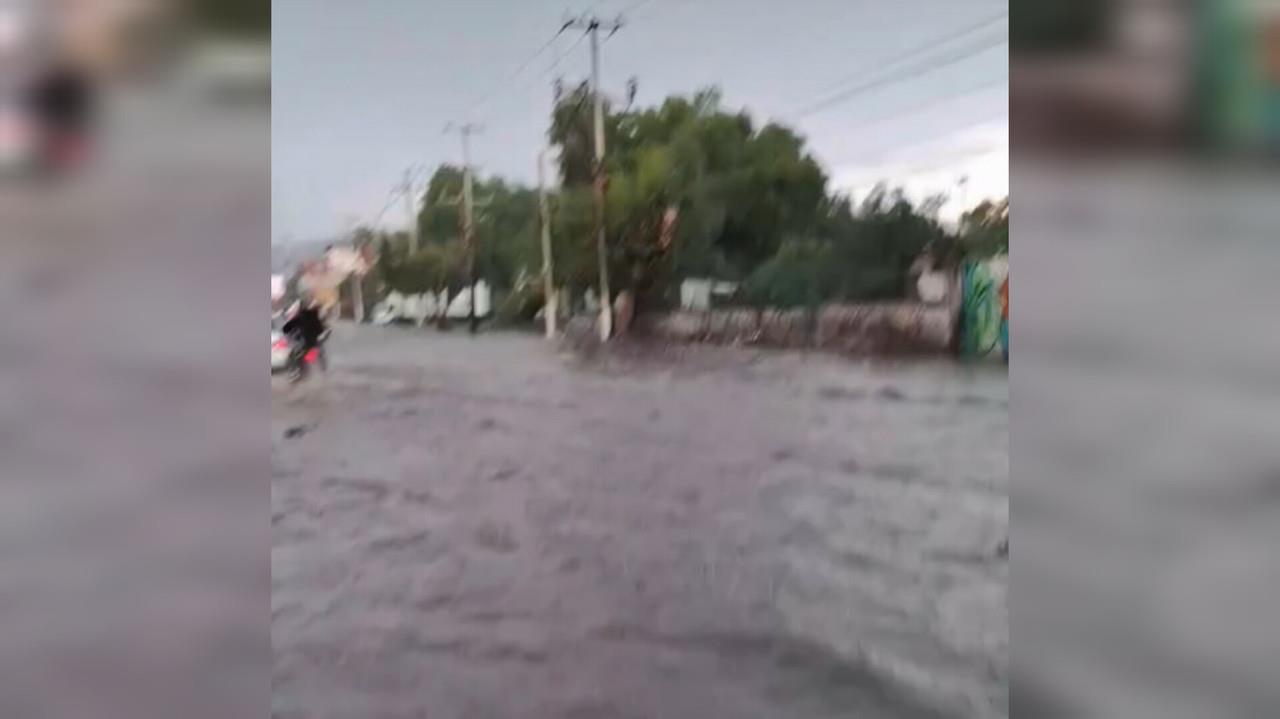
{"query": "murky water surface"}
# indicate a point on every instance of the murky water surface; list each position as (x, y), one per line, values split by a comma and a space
(484, 528)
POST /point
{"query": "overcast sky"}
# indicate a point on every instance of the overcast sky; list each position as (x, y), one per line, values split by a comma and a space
(362, 90)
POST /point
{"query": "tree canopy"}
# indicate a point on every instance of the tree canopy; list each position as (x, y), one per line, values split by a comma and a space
(984, 230)
(693, 189)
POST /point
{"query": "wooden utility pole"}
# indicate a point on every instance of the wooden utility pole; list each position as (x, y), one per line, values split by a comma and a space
(593, 25)
(410, 205)
(549, 304)
(465, 131)
(357, 297)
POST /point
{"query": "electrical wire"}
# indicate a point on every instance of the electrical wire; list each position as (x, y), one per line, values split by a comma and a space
(928, 46)
(397, 191)
(392, 196)
(493, 92)
(928, 103)
(904, 74)
(886, 155)
(561, 56)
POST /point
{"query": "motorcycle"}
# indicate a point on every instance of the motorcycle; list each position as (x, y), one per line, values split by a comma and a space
(302, 360)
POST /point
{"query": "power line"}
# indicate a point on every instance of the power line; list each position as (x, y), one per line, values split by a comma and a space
(931, 102)
(929, 45)
(392, 196)
(561, 56)
(493, 92)
(950, 162)
(887, 155)
(907, 73)
(551, 68)
(397, 190)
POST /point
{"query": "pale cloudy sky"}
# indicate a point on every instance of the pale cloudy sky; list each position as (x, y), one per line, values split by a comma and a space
(967, 166)
(362, 90)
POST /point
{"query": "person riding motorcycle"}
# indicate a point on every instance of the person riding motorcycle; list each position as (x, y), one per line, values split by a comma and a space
(308, 327)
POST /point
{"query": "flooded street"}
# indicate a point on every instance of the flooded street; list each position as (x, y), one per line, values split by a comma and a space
(481, 527)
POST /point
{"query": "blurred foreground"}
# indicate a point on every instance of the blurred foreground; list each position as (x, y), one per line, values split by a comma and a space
(1146, 502)
(133, 544)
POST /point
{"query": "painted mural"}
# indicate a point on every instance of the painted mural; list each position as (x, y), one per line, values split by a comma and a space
(984, 310)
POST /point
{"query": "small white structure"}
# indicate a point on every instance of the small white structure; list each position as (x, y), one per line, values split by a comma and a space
(420, 308)
(413, 308)
(461, 305)
(932, 287)
(697, 293)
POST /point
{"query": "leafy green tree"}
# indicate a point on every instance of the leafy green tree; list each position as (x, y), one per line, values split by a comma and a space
(572, 241)
(888, 234)
(506, 223)
(234, 17)
(735, 191)
(694, 189)
(432, 268)
(984, 230)
(799, 275)
(440, 213)
(1059, 26)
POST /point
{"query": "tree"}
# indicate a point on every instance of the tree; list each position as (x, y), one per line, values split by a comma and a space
(735, 191)
(505, 216)
(440, 216)
(234, 17)
(573, 131)
(852, 255)
(1060, 26)
(694, 189)
(984, 230)
(801, 274)
(432, 268)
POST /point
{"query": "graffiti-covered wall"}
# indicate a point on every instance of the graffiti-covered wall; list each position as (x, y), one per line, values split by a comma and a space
(984, 309)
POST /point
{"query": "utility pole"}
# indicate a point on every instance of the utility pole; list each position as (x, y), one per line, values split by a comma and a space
(549, 304)
(465, 131)
(410, 205)
(593, 26)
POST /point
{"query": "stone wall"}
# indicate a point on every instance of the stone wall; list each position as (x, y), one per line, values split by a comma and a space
(897, 328)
